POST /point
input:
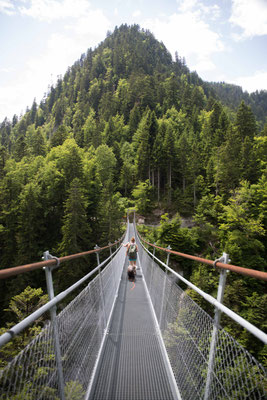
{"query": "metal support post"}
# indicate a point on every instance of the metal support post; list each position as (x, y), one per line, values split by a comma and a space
(154, 249)
(101, 286)
(53, 316)
(164, 287)
(152, 269)
(110, 249)
(217, 317)
(112, 272)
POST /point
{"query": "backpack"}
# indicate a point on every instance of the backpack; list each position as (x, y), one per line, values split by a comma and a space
(132, 250)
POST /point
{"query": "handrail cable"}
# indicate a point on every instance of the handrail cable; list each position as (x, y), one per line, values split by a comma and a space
(247, 325)
(7, 336)
(7, 272)
(240, 270)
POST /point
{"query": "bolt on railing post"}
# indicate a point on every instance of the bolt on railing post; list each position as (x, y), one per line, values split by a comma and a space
(164, 286)
(53, 316)
(101, 285)
(217, 317)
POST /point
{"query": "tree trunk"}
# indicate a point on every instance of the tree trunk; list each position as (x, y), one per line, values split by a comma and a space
(170, 183)
(183, 185)
(195, 198)
(170, 176)
(158, 184)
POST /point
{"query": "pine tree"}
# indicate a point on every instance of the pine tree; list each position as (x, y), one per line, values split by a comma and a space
(245, 122)
(158, 155)
(228, 167)
(75, 229)
(59, 137)
(141, 147)
(30, 230)
(90, 131)
(169, 149)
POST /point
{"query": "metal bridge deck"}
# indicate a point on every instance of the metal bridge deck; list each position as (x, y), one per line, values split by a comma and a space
(132, 365)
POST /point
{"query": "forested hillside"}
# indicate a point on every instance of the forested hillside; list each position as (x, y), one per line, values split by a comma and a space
(232, 95)
(127, 126)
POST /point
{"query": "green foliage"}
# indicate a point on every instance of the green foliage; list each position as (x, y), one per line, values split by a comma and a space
(105, 165)
(75, 229)
(126, 120)
(20, 306)
(74, 391)
(142, 195)
(242, 228)
(180, 239)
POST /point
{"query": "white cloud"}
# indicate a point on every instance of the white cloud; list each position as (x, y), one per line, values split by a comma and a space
(258, 81)
(49, 10)
(203, 65)
(90, 26)
(62, 50)
(187, 33)
(136, 13)
(6, 70)
(186, 5)
(199, 8)
(250, 16)
(6, 7)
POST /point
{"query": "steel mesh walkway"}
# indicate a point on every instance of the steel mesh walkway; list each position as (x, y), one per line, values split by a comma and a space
(132, 365)
(124, 341)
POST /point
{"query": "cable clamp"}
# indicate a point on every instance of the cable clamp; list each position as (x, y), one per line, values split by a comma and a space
(221, 259)
(48, 256)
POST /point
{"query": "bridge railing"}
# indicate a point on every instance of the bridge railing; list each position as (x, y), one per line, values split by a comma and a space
(59, 362)
(207, 362)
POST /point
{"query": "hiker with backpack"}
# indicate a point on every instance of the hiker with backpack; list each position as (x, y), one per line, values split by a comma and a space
(131, 251)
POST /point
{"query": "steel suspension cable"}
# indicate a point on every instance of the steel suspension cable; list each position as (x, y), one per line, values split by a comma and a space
(240, 270)
(7, 272)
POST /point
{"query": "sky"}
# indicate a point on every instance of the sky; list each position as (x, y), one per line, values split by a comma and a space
(222, 40)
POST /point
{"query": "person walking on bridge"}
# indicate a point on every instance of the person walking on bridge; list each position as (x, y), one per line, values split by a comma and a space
(131, 251)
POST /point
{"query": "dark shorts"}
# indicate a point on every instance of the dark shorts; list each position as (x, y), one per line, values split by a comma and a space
(132, 259)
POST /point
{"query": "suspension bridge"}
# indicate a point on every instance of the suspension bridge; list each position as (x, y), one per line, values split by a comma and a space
(141, 340)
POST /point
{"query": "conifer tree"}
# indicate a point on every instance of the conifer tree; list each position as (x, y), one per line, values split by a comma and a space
(134, 119)
(141, 147)
(169, 149)
(245, 122)
(29, 234)
(127, 177)
(75, 229)
(228, 168)
(90, 132)
(158, 155)
(183, 149)
(59, 136)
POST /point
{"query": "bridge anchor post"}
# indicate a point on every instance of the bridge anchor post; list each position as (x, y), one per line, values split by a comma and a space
(163, 290)
(217, 317)
(101, 286)
(53, 316)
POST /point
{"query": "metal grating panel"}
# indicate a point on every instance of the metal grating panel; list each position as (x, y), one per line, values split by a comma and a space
(132, 365)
